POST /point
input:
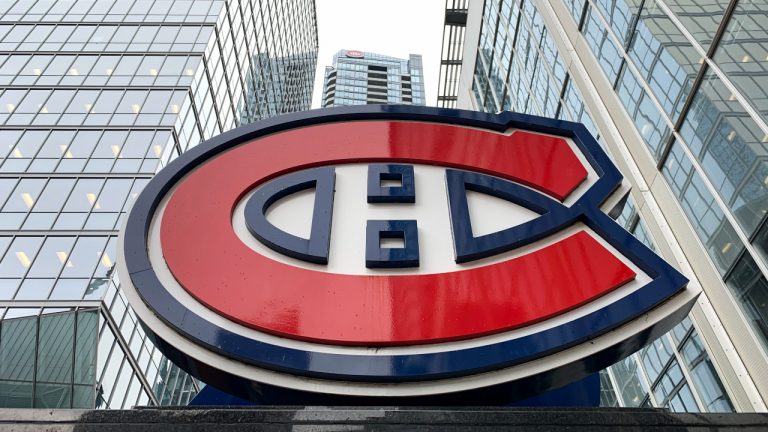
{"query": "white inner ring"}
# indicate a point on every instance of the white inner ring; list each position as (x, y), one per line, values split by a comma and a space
(177, 291)
(350, 213)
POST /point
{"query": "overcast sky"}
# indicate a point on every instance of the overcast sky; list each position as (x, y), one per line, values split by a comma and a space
(392, 27)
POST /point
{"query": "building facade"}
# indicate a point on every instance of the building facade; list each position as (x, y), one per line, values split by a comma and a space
(452, 52)
(361, 78)
(96, 97)
(675, 91)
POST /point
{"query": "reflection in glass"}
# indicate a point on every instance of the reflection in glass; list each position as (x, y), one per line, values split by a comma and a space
(729, 146)
(602, 45)
(42, 357)
(673, 391)
(607, 392)
(644, 113)
(704, 376)
(620, 15)
(666, 60)
(55, 348)
(656, 356)
(714, 231)
(631, 387)
(17, 346)
(750, 288)
(701, 18)
(742, 53)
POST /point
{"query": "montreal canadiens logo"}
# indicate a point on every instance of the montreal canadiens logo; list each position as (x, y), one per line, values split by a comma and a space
(394, 251)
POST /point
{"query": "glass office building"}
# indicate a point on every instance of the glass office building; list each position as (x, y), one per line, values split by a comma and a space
(95, 97)
(676, 92)
(361, 78)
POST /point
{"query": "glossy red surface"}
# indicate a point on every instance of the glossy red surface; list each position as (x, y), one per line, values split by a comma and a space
(213, 265)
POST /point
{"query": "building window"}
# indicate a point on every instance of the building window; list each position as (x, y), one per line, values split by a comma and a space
(49, 361)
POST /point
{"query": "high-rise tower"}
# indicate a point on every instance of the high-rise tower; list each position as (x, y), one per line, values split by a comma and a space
(95, 97)
(360, 78)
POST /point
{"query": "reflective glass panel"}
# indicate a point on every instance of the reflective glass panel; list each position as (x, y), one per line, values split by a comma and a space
(701, 18)
(644, 113)
(631, 387)
(750, 289)
(731, 149)
(17, 348)
(602, 46)
(665, 58)
(704, 376)
(709, 222)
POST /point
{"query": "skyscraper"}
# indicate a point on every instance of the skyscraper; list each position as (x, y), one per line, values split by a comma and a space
(360, 78)
(676, 93)
(455, 24)
(95, 97)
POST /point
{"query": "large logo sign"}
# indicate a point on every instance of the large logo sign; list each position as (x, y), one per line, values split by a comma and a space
(355, 54)
(396, 252)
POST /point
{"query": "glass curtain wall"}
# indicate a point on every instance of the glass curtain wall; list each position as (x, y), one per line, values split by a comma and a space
(707, 137)
(96, 96)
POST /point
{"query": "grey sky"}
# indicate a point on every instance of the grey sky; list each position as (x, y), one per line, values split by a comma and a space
(391, 27)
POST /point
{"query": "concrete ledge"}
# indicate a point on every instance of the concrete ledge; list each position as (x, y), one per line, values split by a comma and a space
(379, 418)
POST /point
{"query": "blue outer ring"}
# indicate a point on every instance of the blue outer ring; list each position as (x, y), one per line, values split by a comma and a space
(666, 281)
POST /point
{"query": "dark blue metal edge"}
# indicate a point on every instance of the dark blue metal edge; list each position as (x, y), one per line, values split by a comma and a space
(494, 395)
(378, 257)
(555, 216)
(315, 249)
(405, 193)
(401, 368)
